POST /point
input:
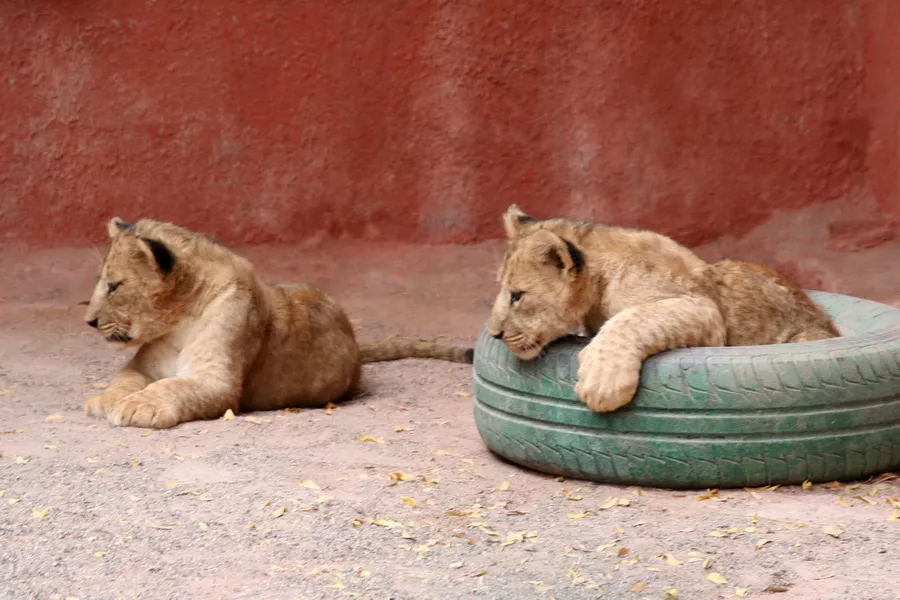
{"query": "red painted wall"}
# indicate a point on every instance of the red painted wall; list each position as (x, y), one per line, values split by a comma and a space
(882, 97)
(423, 119)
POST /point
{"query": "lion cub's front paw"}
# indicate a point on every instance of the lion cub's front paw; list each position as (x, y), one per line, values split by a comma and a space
(99, 406)
(143, 409)
(606, 382)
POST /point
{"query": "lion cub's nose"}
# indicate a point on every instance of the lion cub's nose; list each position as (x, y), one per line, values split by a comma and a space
(498, 335)
(93, 323)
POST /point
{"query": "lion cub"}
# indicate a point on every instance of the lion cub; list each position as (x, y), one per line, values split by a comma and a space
(213, 336)
(637, 293)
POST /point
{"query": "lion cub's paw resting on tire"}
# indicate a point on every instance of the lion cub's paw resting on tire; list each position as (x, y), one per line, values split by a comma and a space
(637, 293)
(212, 336)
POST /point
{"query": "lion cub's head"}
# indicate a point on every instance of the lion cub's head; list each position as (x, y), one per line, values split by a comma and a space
(131, 302)
(544, 293)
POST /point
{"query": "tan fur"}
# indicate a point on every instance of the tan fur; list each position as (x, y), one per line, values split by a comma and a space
(213, 336)
(636, 292)
(760, 306)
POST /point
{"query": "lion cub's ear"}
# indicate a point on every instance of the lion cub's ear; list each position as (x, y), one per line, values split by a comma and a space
(117, 225)
(557, 252)
(160, 254)
(513, 219)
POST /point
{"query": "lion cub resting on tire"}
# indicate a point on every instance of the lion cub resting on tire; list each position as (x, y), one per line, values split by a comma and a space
(637, 293)
(212, 336)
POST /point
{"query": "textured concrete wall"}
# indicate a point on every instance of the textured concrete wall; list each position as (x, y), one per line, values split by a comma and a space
(278, 120)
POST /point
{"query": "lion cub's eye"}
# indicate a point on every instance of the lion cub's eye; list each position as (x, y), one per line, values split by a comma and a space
(515, 297)
(111, 287)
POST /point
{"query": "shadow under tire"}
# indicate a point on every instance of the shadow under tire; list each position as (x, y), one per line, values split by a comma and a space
(715, 417)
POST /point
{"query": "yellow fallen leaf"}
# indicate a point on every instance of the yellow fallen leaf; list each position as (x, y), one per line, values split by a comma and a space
(202, 525)
(571, 495)
(229, 415)
(13, 500)
(431, 480)
(639, 587)
(21, 461)
(480, 573)
(49, 447)
(99, 554)
(866, 500)
(741, 592)
(369, 438)
(40, 513)
(762, 542)
(709, 495)
(255, 420)
(408, 501)
(278, 512)
(832, 530)
(717, 578)
(895, 515)
(400, 476)
(309, 483)
(53, 417)
(172, 484)
(464, 394)
(503, 486)
(399, 428)
(580, 515)
(841, 501)
(606, 546)
(672, 593)
(670, 559)
(386, 523)
(716, 533)
(329, 408)
(610, 502)
(623, 502)
(807, 485)
(455, 565)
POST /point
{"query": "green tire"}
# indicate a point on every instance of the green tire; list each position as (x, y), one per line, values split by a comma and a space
(708, 417)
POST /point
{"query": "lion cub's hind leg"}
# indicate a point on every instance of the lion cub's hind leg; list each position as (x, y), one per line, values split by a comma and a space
(610, 365)
(761, 306)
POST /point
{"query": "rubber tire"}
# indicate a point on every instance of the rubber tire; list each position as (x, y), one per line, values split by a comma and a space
(708, 417)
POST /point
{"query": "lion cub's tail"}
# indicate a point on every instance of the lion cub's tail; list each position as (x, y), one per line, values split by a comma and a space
(398, 348)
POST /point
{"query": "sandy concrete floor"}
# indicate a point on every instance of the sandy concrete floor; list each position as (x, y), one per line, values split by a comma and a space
(296, 505)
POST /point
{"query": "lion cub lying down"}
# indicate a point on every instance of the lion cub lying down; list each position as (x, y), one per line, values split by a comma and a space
(637, 293)
(212, 336)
